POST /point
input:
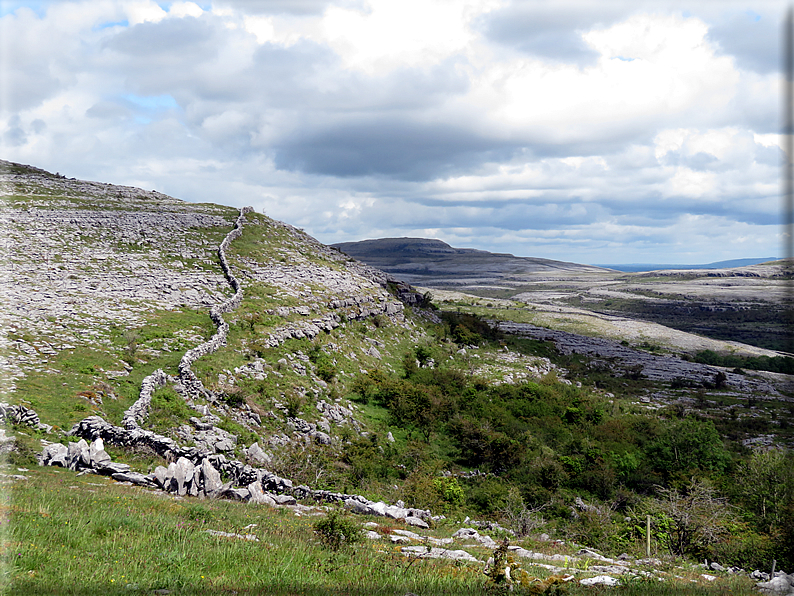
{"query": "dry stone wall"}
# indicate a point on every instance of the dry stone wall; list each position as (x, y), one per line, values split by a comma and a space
(190, 381)
(198, 472)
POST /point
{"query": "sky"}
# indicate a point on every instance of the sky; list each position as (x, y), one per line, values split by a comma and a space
(594, 132)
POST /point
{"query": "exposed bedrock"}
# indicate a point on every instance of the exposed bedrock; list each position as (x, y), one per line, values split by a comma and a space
(622, 358)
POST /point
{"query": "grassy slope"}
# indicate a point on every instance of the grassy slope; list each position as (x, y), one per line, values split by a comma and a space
(86, 536)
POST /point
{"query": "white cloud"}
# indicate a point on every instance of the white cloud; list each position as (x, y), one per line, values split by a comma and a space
(688, 183)
(144, 11)
(642, 136)
(408, 33)
(185, 9)
(652, 69)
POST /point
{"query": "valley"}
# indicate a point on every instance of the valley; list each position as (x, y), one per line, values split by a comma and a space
(743, 304)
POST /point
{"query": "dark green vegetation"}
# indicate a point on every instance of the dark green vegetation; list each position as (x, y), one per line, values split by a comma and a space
(539, 445)
(759, 324)
(779, 364)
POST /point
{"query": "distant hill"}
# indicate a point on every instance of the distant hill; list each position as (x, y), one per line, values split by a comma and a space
(422, 260)
(637, 267)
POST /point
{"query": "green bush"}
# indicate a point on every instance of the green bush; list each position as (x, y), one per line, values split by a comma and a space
(486, 495)
(450, 493)
(234, 397)
(336, 531)
(745, 549)
(688, 445)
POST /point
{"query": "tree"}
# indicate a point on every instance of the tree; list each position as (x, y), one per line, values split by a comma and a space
(766, 483)
(688, 445)
(697, 517)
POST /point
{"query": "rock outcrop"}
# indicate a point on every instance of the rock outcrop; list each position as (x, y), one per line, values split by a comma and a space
(625, 360)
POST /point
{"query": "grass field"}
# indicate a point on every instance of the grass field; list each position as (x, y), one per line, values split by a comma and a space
(88, 535)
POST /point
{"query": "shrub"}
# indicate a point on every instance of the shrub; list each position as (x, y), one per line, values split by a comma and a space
(294, 402)
(326, 370)
(521, 519)
(687, 445)
(697, 517)
(486, 495)
(336, 531)
(745, 549)
(234, 397)
(450, 493)
(324, 364)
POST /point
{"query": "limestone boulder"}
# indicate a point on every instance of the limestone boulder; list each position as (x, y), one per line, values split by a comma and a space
(54, 454)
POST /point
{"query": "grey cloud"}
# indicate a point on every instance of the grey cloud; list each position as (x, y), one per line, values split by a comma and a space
(548, 31)
(27, 70)
(770, 156)
(387, 147)
(108, 110)
(168, 42)
(15, 135)
(699, 161)
(25, 88)
(753, 40)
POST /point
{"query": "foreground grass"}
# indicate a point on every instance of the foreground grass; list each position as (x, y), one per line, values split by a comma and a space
(87, 535)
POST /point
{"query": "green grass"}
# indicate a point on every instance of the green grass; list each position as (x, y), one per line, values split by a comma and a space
(168, 410)
(88, 535)
(98, 539)
(55, 393)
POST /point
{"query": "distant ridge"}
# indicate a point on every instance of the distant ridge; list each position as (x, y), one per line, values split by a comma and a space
(423, 260)
(637, 267)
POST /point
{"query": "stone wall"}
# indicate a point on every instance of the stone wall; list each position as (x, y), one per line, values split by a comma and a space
(191, 383)
(197, 472)
(18, 414)
(138, 411)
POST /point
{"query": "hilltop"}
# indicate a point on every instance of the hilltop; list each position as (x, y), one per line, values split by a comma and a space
(431, 263)
(213, 373)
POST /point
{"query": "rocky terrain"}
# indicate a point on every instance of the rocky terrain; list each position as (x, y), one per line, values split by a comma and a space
(211, 346)
(743, 304)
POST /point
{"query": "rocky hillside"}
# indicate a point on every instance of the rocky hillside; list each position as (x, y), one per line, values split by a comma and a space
(104, 283)
(202, 351)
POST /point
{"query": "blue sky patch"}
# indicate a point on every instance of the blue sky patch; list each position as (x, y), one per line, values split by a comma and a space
(11, 6)
(152, 102)
(108, 25)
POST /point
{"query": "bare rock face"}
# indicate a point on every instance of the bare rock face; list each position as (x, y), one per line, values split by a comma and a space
(212, 479)
(257, 455)
(780, 585)
(88, 254)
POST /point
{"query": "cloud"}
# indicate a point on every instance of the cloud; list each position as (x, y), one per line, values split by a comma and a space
(541, 31)
(293, 7)
(754, 40)
(402, 149)
(580, 131)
